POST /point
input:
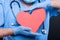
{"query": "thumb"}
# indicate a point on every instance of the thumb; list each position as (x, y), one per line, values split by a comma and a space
(27, 29)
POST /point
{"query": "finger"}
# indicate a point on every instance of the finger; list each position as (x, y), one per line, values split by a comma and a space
(34, 34)
(26, 28)
(31, 34)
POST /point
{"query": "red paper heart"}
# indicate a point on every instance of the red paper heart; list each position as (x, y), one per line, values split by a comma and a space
(33, 20)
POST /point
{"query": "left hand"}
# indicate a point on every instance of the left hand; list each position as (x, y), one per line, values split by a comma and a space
(24, 31)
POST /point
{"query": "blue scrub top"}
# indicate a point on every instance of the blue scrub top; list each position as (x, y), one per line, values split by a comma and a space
(7, 19)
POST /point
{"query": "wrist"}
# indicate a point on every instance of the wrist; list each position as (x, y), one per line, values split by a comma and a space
(15, 30)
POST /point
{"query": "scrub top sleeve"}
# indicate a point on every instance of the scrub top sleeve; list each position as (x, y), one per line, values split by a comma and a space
(1, 15)
(53, 11)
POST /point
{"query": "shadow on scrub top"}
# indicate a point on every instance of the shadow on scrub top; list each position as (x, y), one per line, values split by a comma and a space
(54, 30)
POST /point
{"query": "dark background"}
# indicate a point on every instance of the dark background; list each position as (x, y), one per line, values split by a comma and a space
(54, 30)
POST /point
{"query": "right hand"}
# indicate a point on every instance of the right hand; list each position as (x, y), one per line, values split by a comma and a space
(24, 31)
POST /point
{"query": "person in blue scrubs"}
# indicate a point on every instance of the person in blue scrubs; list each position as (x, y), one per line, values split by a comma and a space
(8, 21)
(8, 24)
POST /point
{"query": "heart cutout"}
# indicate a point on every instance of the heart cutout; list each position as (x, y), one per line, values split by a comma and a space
(33, 20)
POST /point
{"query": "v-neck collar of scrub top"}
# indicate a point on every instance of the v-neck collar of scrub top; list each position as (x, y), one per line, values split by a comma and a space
(24, 8)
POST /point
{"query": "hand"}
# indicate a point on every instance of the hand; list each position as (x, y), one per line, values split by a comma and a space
(24, 31)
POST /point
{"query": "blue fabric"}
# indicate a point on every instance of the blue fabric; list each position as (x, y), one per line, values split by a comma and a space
(9, 19)
(1, 14)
